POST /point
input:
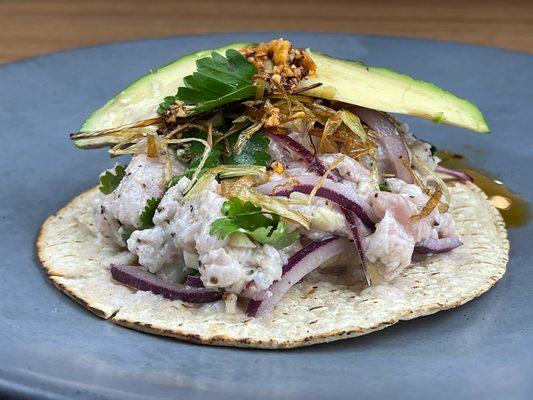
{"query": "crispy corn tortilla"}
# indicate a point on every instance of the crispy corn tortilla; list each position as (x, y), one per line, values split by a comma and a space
(321, 308)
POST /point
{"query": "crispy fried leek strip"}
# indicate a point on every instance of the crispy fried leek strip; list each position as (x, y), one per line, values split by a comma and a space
(413, 174)
(224, 171)
(245, 135)
(207, 149)
(273, 204)
(353, 122)
(323, 178)
(432, 203)
(151, 146)
(427, 171)
(114, 136)
(326, 140)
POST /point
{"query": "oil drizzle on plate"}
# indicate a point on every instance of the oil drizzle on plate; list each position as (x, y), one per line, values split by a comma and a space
(515, 210)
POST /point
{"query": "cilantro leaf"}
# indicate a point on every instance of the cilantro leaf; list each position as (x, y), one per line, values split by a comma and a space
(213, 160)
(279, 237)
(110, 181)
(246, 218)
(147, 214)
(165, 104)
(222, 227)
(384, 187)
(218, 80)
(173, 181)
(246, 215)
(253, 152)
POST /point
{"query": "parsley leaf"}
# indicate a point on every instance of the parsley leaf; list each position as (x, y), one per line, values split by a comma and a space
(147, 214)
(218, 80)
(110, 181)
(246, 218)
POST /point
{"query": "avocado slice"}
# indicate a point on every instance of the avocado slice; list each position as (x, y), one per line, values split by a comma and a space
(342, 80)
(140, 100)
(386, 90)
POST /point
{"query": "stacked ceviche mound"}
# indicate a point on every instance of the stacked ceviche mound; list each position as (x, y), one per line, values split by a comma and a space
(251, 177)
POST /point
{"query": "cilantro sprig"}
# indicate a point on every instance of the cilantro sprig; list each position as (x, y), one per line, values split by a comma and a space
(384, 187)
(253, 152)
(147, 215)
(109, 180)
(218, 80)
(246, 218)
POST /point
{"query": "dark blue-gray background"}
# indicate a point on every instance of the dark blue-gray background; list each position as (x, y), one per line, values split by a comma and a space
(50, 347)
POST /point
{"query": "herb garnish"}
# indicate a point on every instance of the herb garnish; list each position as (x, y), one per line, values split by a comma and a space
(246, 218)
(147, 214)
(110, 181)
(218, 80)
(253, 152)
(384, 187)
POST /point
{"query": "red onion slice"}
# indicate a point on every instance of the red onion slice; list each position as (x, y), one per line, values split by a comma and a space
(342, 201)
(299, 265)
(391, 142)
(194, 281)
(329, 190)
(135, 277)
(355, 236)
(460, 175)
(442, 245)
(308, 158)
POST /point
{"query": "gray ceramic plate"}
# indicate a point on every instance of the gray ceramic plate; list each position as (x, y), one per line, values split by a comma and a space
(50, 347)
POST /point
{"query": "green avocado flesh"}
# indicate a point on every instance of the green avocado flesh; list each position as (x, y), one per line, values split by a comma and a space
(140, 100)
(387, 90)
(347, 81)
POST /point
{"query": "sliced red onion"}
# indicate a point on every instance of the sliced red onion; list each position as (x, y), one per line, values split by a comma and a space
(194, 281)
(442, 245)
(135, 277)
(390, 139)
(249, 293)
(355, 235)
(299, 265)
(461, 175)
(336, 192)
(308, 158)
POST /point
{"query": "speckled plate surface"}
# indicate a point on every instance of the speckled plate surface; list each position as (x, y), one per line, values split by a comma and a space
(50, 347)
